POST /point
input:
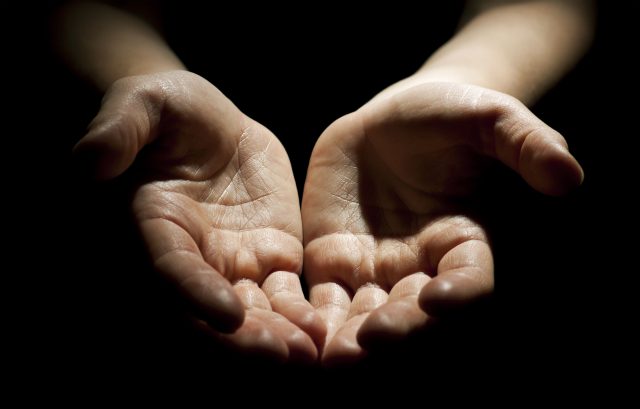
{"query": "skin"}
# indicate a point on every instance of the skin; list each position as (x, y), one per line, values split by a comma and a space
(217, 206)
(388, 243)
(215, 199)
(388, 240)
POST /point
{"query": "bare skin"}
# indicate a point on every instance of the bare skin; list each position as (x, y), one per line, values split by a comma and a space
(388, 243)
(217, 206)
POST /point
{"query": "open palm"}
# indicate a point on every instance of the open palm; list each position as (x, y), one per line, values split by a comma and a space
(388, 244)
(217, 206)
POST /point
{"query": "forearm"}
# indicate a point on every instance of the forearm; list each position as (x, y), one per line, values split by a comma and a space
(103, 44)
(520, 48)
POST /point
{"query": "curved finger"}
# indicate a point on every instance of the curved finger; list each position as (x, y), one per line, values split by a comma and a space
(253, 338)
(176, 256)
(495, 123)
(128, 120)
(251, 295)
(539, 153)
(284, 291)
(299, 345)
(399, 316)
(265, 333)
(464, 276)
(344, 347)
(331, 301)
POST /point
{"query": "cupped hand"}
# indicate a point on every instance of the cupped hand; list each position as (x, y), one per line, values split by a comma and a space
(389, 246)
(217, 206)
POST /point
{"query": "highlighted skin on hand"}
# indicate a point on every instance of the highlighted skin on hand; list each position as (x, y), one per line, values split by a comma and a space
(217, 207)
(388, 245)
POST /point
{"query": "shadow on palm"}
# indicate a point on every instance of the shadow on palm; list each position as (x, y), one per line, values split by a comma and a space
(389, 244)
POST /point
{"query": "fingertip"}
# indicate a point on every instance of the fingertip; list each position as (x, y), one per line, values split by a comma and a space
(219, 307)
(228, 311)
(342, 351)
(552, 170)
(302, 349)
(312, 323)
(297, 310)
(378, 330)
(259, 342)
(343, 348)
(562, 170)
(393, 322)
(565, 169)
(96, 158)
(450, 294)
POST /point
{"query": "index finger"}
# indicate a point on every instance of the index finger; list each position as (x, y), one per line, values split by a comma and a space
(176, 256)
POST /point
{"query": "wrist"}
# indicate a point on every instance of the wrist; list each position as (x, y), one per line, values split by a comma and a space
(150, 68)
(501, 80)
(143, 66)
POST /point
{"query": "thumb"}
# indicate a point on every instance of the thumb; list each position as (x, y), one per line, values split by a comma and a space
(128, 120)
(536, 151)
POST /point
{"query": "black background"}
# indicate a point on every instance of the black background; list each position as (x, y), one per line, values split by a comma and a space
(86, 323)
